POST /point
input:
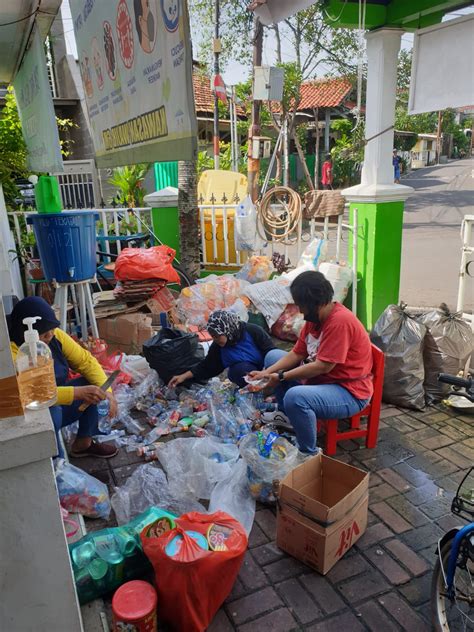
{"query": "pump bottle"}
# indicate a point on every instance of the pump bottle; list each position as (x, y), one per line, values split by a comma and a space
(35, 366)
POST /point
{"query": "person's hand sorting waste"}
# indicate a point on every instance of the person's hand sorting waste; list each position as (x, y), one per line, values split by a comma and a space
(89, 394)
(179, 379)
(258, 380)
(113, 408)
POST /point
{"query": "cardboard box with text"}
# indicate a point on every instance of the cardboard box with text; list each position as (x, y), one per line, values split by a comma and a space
(322, 511)
(126, 333)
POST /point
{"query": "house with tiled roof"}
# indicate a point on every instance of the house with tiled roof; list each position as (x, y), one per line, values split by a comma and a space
(204, 102)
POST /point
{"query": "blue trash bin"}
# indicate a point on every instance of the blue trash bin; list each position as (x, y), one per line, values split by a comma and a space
(67, 244)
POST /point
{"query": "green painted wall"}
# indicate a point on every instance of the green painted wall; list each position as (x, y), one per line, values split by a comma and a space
(378, 258)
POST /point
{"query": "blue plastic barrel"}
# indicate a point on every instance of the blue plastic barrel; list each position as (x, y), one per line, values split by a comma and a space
(67, 244)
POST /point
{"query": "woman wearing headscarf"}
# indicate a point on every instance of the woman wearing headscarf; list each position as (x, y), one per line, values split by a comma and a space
(67, 354)
(236, 346)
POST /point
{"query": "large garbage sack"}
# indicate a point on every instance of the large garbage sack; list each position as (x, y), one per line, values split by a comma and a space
(140, 264)
(196, 565)
(172, 352)
(448, 345)
(400, 336)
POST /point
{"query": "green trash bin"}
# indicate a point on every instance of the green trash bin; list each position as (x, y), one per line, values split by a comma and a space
(164, 216)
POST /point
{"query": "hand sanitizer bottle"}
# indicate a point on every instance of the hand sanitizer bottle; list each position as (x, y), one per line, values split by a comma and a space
(35, 367)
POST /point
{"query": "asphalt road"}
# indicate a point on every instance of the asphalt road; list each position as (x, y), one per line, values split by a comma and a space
(431, 253)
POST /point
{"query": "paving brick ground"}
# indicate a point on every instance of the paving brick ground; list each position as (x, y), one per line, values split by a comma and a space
(383, 583)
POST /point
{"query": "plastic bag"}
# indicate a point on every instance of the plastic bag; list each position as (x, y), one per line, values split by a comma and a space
(120, 548)
(196, 303)
(194, 466)
(232, 496)
(289, 324)
(148, 487)
(340, 278)
(314, 254)
(196, 565)
(447, 347)
(400, 336)
(245, 227)
(136, 367)
(79, 492)
(172, 352)
(270, 298)
(141, 264)
(240, 309)
(256, 269)
(269, 458)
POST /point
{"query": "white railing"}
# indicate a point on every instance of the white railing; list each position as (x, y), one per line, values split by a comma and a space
(112, 222)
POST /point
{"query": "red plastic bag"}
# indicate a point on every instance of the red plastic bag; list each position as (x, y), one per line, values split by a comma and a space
(289, 324)
(191, 582)
(140, 264)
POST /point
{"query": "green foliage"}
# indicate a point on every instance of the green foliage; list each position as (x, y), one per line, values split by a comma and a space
(129, 182)
(12, 148)
(206, 161)
(419, 123)
(291, 86)
(347, 153)
(66, 143)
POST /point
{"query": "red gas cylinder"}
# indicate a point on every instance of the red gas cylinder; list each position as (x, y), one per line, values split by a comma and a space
(134, 607)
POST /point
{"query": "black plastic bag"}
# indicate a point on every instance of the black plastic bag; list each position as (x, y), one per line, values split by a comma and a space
(172, 352)
(448, 345)
(400, 336)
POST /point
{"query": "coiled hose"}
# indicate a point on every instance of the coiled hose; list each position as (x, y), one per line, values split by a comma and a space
(277, 224)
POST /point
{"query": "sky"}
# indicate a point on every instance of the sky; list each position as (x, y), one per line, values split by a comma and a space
(236, 72)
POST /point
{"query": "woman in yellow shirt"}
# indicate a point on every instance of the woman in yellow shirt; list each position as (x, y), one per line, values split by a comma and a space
(67, 354)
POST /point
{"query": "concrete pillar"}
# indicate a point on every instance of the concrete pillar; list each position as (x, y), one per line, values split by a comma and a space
(327, 129)
(37, 584)
(378, 200)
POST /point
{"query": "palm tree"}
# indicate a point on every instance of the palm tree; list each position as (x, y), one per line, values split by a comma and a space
(129, 181)
(189, 217)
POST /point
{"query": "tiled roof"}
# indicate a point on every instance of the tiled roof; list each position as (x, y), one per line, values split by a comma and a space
(203, 95)
(324, 93)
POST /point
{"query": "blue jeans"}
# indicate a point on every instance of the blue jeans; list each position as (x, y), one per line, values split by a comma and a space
(238, 371)
(68, 414)
(304, 404)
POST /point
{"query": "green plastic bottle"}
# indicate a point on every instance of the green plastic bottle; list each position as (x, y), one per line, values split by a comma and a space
(103, 560)
(47, 196)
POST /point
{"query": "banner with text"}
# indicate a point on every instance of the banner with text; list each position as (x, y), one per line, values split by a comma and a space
(136, 67)
(36, 110)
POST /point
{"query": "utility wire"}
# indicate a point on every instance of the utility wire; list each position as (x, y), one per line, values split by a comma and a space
(26, 17)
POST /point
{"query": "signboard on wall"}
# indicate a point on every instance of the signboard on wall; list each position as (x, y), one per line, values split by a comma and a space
(36, 110)
(442, 74)
(136, 67)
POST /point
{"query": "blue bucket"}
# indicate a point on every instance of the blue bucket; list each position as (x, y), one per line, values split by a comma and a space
(67, 244)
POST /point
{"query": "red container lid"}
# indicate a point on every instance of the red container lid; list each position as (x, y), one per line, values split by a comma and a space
(134, 600)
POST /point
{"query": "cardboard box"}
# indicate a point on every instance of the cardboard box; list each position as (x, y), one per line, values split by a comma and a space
(127, 332)
(322, 511)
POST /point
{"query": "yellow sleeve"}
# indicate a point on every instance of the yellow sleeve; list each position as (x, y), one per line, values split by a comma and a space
(80, 360)
(65, 393)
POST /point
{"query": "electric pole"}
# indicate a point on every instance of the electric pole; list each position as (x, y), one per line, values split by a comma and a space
(253, 167)
(217, 50)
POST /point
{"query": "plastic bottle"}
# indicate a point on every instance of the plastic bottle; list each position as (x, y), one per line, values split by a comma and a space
(105, 424)
(35, 367)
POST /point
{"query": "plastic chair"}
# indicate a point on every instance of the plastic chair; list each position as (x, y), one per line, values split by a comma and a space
(371, 411)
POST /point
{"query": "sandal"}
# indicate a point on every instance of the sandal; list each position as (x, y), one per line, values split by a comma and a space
(99, 450)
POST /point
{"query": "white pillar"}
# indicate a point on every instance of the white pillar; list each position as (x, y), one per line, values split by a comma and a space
(377, 182)
(382, 60)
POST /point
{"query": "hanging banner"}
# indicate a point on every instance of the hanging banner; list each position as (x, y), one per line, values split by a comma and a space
(136, 66)
(36, 110)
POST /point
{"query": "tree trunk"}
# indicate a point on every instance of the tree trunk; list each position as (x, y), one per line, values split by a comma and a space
(302, 158)
(278, 43)
(189, 218)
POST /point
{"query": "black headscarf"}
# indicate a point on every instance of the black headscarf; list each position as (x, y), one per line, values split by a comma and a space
(223, 323)
(27, 308)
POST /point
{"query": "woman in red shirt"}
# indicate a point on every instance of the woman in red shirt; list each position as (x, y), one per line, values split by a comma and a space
(328, 373)
(326, 175)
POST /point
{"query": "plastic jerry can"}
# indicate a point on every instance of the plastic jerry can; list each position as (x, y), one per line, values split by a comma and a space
(47, 196)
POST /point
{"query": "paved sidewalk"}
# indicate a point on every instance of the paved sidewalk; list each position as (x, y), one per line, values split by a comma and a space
(384, 581)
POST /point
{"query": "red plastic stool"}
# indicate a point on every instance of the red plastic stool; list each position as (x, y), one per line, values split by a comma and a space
(371, 411)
